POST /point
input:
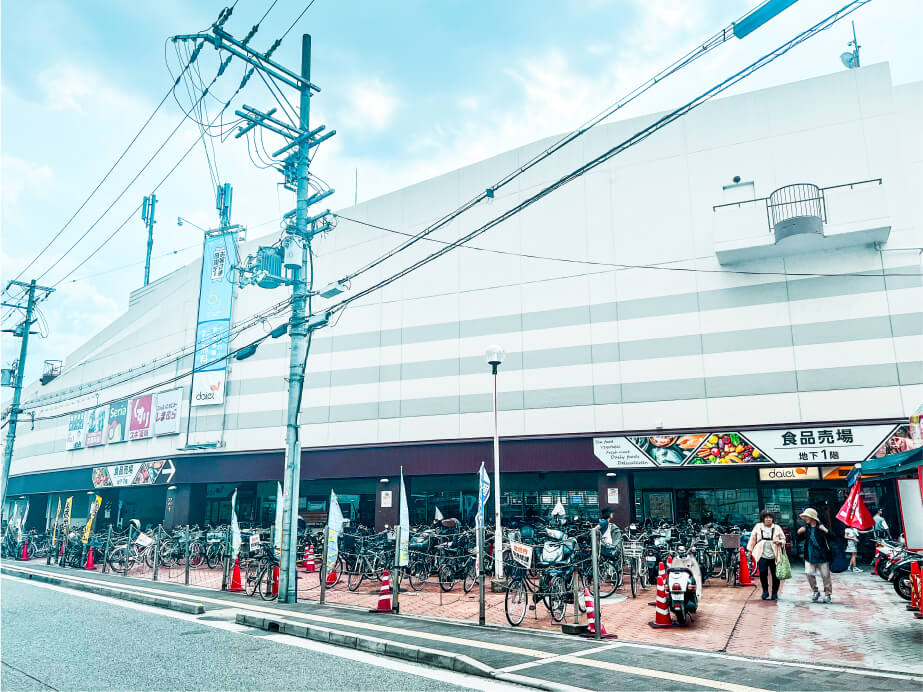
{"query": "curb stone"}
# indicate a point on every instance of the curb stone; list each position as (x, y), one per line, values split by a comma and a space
(156, 601)
(435, 658)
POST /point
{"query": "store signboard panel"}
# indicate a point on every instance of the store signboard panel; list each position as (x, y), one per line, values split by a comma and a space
(166, 411)
(790, 473)
(216, 294)
(141, 473)
(845, 444)
(619, 452)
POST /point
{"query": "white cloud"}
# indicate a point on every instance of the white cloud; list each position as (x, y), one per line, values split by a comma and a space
(372, 105)
(20, 175)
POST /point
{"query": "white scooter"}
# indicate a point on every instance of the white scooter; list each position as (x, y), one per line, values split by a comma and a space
(684, 585)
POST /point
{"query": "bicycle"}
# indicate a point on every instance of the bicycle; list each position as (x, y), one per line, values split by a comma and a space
(260, 574)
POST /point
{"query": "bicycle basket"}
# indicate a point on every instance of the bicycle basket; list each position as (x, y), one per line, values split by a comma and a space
(552, 552)
(214, 536)
(730, 541)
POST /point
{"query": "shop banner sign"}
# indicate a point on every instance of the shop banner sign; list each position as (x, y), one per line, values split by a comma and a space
(216, 294)
(845, 444)
(790, 473)
(96, 426)
(117, 428)
(619, 453)
(522, 553)
(139, 426)
(166, 411)
(94, 508)
(143, 473)
(75, 430)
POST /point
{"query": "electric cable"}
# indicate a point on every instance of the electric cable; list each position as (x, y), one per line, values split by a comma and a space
(717, 39)
(660, 266)
(634, 139)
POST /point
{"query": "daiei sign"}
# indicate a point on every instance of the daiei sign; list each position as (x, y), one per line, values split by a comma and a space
(790, 473)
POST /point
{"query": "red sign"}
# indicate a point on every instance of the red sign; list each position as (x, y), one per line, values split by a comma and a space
(139, 426)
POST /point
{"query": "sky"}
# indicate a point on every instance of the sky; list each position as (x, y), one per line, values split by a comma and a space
(414, 89)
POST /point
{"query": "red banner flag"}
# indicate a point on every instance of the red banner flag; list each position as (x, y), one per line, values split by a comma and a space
(854, 513)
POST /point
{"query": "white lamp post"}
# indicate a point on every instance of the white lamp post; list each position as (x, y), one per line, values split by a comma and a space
(495, 356)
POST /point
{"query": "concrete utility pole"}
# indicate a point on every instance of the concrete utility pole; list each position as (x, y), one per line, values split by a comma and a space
(22, 331)
(147, 215)
(295, 255)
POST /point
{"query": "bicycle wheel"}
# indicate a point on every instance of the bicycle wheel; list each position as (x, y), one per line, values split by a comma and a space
(643, 574)
(418, 573)
(610, 578)
(251, 577)
(120, 560)
(558, 598)
(356, 576)
(446, 577)
(269, 587)
(516, 602)
(634, 579)
(213, 555)
(168, 555)
(334, 577)
(471, 576)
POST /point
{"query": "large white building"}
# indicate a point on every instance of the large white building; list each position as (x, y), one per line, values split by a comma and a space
(742, 288)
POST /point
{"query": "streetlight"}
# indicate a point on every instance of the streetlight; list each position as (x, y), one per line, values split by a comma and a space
(495, 356)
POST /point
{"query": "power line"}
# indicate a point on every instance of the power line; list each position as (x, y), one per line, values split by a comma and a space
(636, 138)
(715, 40)
(658, 266)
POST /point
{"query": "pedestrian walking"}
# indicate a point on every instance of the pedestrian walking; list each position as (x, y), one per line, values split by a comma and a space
(851, 534)
(881, 530)
(767, 541)
(817, 554)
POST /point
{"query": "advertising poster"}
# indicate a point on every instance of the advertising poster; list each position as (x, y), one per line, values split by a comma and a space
(117, 427)
(94, 508)
(166, 411)
(669, 450)
(139, 425)
(900, 440)
(727, 448)
(216, 294)
(844, 444)
(75, 430)
(96, 426)
(619, 452)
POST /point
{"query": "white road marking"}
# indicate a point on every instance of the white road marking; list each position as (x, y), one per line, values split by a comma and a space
(530, 664)
(438, 674)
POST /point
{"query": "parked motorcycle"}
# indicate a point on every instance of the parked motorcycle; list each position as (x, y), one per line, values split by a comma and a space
(684, 585)
(900, 574)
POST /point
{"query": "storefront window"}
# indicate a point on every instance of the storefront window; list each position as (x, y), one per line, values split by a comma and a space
(738, 507)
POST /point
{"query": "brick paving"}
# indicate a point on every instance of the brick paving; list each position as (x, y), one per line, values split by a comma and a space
(866, 625)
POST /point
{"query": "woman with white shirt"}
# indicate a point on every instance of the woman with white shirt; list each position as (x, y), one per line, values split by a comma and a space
(767, 541)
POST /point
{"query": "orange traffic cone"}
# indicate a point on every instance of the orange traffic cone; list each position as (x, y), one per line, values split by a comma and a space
(235, 577)
(61, 551)
(662, 615)
(309, 558)
(275, 580)
(669, 561)
(914, 586)
(919, 589)
(331, 578)
(661, 574)
(90, 564)
(384, 595)
(25, 551)
(744, 572)
(591, 617)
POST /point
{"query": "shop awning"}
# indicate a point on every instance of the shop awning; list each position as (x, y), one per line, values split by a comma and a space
(894, 463)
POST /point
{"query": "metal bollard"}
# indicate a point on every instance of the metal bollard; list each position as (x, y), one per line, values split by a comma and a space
(481, 606)
(187, 555)
(323, 569)
(156, 554)
(396, 577)
(128, 552)
(577, 595)
(108, 549)
(597, 606)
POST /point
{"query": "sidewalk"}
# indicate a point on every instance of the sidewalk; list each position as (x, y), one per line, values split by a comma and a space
(629, 662)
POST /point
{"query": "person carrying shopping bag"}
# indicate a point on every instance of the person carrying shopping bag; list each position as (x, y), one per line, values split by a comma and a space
(767, 547)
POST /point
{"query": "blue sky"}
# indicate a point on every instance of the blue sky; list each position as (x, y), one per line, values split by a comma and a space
(414, 89)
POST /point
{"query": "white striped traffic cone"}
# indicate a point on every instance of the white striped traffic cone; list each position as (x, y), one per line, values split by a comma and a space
(384, 595)
(309, 557)
(591, 616)
(661, 615)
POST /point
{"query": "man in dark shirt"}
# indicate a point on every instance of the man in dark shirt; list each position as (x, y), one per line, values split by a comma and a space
(816, 554)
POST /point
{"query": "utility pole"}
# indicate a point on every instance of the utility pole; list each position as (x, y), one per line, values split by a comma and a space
(147, 215)
(295, 254)
(22, 331)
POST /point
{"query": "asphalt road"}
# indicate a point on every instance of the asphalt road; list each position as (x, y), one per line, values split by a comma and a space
(53, 639)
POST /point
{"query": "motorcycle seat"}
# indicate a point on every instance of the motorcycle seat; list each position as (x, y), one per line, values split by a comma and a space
(681, 570)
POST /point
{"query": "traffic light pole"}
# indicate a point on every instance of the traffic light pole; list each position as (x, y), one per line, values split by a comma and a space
(298, 333)
(26, 327)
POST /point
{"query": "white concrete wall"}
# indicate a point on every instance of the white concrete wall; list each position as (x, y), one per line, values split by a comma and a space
(593, 345)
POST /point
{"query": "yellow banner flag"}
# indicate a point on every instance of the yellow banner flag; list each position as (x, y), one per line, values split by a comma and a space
(54, 531)
(94, 508)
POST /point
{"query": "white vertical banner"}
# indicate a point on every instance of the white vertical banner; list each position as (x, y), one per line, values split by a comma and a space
(483, 495)
(235, 526)
(25, 515)
(277, 526)
(334, 528)
(403, 546)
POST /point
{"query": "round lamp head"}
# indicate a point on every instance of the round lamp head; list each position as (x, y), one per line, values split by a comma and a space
(495, 354)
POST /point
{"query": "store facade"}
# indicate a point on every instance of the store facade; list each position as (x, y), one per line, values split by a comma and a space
(662, 354)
